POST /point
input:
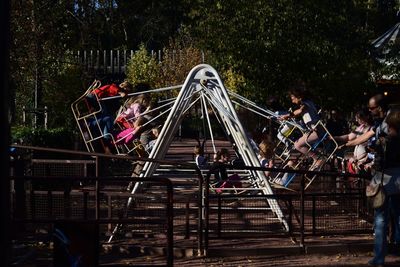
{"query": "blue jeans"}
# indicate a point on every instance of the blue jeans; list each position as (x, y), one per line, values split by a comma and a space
(105, 123)
(381, 221)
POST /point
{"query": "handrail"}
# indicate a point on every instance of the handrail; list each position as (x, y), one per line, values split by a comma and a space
(160, 180)
(182, 165)
(302, 194)
(103, 155)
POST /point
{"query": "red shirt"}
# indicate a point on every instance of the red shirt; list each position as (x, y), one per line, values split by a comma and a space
(107, 91)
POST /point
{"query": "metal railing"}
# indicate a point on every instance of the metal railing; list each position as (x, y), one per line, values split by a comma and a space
(317, 212)
(28, 197)
(307, 213)
(51, 216)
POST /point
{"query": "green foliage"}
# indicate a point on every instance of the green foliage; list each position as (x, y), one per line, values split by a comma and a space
(142, 67)
(55, 138)
(233, 80)
(179, 57)
(259, 47)
(67, 83)
(40, 66)
(273, 44)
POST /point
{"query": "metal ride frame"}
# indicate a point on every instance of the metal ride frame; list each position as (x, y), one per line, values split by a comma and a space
(286, 153)
(89, 119)
(204, 85)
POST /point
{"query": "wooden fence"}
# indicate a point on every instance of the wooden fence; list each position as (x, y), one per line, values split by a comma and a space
(113, 61)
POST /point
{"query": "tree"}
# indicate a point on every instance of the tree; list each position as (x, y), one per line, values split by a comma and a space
(41, 37)
(43, 32)
(273, 44)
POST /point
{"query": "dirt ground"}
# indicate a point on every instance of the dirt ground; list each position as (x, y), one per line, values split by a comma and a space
(318, 260)
(359, 259)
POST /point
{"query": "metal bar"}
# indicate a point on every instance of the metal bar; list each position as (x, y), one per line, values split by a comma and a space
(67, 203)
(111, 61)
(125, 62)
(170, 222)
(50, 203)
(302, 212)
(33, 203)
(200, 219)
(157, 90)
(105, 61)
(85, 204)
(85, 63)
(97, 213)
(97, 60)
(219, 216)
(313, 215)
(187, 219)
(91, 60)
(206, 212)
(290, 222)
(109, 211)
(118, 62)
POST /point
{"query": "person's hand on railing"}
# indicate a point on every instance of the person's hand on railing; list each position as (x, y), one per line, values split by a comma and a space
(284, 117)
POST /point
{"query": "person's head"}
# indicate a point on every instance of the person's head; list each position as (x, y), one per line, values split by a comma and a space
(130, 101)
(155, 131)
(393, 122)
(266, 149)
(298, 93)
(378, 106)
(363, 117)
(141, 120)
(216, 156)
(126, 88)
(334, 114)
(143, 99)
(198, 150)
(224, 155)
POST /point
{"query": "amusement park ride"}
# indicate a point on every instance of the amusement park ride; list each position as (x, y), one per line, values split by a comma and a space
(203, 86)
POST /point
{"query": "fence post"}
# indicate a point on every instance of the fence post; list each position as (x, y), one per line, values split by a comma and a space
(85, 62)
(23, 115)
(170, 218)
(118, 62)
(200, 212)
(125, 62)
(97, 60)
(97, 213)
(313, 215)
(45, 117)
(111, 62)
(105, 61)
(206, 212)
(302, 202)
(187, 219)
(290, 216)
(219, 215)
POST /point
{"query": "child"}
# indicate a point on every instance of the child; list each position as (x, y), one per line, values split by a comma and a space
(129, 134)
(200, 160)
(218, 168)
(135, 107)
(107, 91)
(155, 132)
(105, 118)
(266, 155)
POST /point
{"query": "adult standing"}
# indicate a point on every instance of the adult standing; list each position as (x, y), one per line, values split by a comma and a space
(387, 169)
(364, 124)
(359, 158)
